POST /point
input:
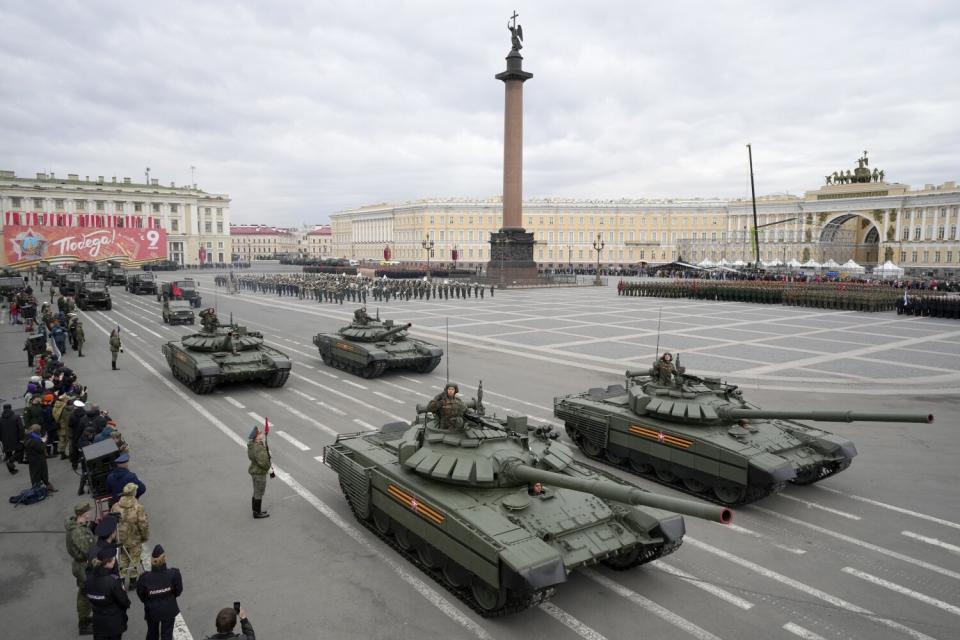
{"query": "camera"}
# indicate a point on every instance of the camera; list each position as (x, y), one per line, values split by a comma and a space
(236, 606)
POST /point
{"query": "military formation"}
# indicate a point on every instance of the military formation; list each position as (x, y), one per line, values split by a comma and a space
(930, 304)
(340, 288)
(831, 295)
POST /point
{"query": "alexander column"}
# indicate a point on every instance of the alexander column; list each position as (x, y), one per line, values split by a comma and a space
(511, 248)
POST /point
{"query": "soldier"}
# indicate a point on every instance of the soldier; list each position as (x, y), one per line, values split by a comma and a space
(208, 319)
(259, 467)
(79, 541)
(665, 369)
(79, 337)
(448, 408)
(158, 590)
(106, 595)
(116, 347)
(360, 316)
(134, 530)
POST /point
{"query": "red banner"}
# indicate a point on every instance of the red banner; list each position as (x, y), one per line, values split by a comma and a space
(24, 245)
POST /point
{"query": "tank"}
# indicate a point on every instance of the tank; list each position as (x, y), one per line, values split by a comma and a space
(225, 353)
(498, 512)
(367, 347)
(700, 435)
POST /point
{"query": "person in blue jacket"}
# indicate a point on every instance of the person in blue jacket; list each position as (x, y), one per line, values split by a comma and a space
(121, 475)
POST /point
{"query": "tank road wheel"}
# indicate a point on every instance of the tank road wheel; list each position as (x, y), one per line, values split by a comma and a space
(728, 494)
(665, 475)
(453, 574)
(487, 597)
(403, 536)
(327, 360)
(278, 378)
(590, 448)
(369, 371)
(693, 485)
(429, 556)
(429, 365)
(624, 560)
(381, 521)
(614, 458)
(639, 467)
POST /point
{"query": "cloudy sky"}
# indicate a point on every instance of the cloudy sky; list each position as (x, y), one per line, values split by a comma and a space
(298, 109)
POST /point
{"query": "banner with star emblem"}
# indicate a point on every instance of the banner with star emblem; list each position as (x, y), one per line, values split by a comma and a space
(24, 246)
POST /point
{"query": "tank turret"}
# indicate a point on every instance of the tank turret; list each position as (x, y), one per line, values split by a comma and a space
(369, 346)
(699, 433)
(498, 507)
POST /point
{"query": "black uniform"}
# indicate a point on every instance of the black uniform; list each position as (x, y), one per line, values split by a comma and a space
(11, 435)
(109, 602)
(158, 590)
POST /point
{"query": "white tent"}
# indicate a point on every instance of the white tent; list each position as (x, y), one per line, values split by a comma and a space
(794, 264)
(888, 270)
(739, 263)
(706, 263)
(851, 267)
(811, 264)
(773, 263)
(831, 264)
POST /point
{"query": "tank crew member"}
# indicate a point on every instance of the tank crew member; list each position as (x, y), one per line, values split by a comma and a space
(665, 369)
(121, 475)
(360, 316)
(107, 597)
(158, 590)
(134, 530)
(448, 408)
(79, 541)
(259, 467)
(116, 347)
(208, 318)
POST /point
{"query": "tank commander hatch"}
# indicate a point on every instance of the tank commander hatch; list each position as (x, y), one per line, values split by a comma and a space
(448, 408)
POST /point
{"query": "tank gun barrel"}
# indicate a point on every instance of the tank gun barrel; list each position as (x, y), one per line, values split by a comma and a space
(397, 329)
(620, 493)
(825, 416)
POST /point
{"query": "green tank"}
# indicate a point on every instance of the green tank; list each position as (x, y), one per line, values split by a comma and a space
(499, 512)
(225, 353)
(367, 347)
(700, 435)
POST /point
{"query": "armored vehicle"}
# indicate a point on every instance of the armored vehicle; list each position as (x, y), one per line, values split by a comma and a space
(368, 347)
(141, 282)
(178, 312)
(70, 283)
(184, 289)
(498, 512)
(94, 294)
(116, 274)
(225, 353)
(699, 434)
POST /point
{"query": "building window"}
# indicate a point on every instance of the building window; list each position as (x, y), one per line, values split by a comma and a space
(174, 225)
(903, 256)
(220, 245)
(58, 204)
(81, 205)
(943, 212)
(929, 235)
(926, 256)
(15, 202)
(137, 207)
(156, 223)
(906, 233)
(219, 226)
(208, 226)
(206, 210)
(949, 256)
(37, 203)
(156, 207)
(936, 256)
(118, 206)
(916, 233)
(100, 204)
(173, 208)
(953, 232)
(219, 211)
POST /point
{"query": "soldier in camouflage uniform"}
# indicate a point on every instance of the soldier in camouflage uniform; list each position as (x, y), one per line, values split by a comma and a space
(133, 529)
(448, 407)
(259, 467)
(79, 541)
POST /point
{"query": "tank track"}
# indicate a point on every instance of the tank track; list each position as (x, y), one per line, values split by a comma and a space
(277, 378)
(514, 604)
(199, 386)
(429, 365)
(824, 472)
(752, 494)
(371, 370)
(648, 555)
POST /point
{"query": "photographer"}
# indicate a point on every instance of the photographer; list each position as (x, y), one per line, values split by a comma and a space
(227, 620)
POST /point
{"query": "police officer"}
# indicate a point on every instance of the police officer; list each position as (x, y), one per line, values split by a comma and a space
(259, 467)
(79, 541)
(107, 597)
(158, 590)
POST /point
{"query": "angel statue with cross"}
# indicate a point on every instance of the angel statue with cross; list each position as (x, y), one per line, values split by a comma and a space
(516, 32)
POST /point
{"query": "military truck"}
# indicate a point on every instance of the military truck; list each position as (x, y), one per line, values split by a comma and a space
(178, 312)
(94, 294)
(184, 289)
(70, 283)
(141, 282)
(11, 284)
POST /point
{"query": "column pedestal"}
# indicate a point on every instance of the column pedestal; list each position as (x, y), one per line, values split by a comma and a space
(511, 256)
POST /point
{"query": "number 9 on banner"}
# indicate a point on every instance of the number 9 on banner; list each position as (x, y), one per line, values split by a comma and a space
(153, 237)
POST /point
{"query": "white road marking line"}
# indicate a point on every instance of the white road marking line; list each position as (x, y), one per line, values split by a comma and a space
(934, 541)
(799, 631)
(328, 374)
(760, 536)
(145, 328)
(431, 595)
(308, 366)
(318, 459)
(234, 402)
(289, 438)
(390, 398)
(811, 591)
(404, 389)
(891, 507)
(814, 505)
(305, 395)
(411, 379)
(365, 425)
(348, 397)
(650, 605)
(131, 333)
(864, 544)
(567, 620)
(299, 414)
(331, 408)
(351, 382)
(723, 594)
(916, 595)
(256, 416)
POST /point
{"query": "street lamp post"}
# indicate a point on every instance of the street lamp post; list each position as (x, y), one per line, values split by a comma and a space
(428, 246)
(502, 241)
(598, 246)
(570, 256)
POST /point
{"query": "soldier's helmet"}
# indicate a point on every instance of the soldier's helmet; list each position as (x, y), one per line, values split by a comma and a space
(456, 388)
(667, 357)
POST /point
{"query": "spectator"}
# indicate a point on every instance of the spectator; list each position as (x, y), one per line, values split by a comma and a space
(227, 620)
(11, 436)
(35, 446)
(121, 475)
